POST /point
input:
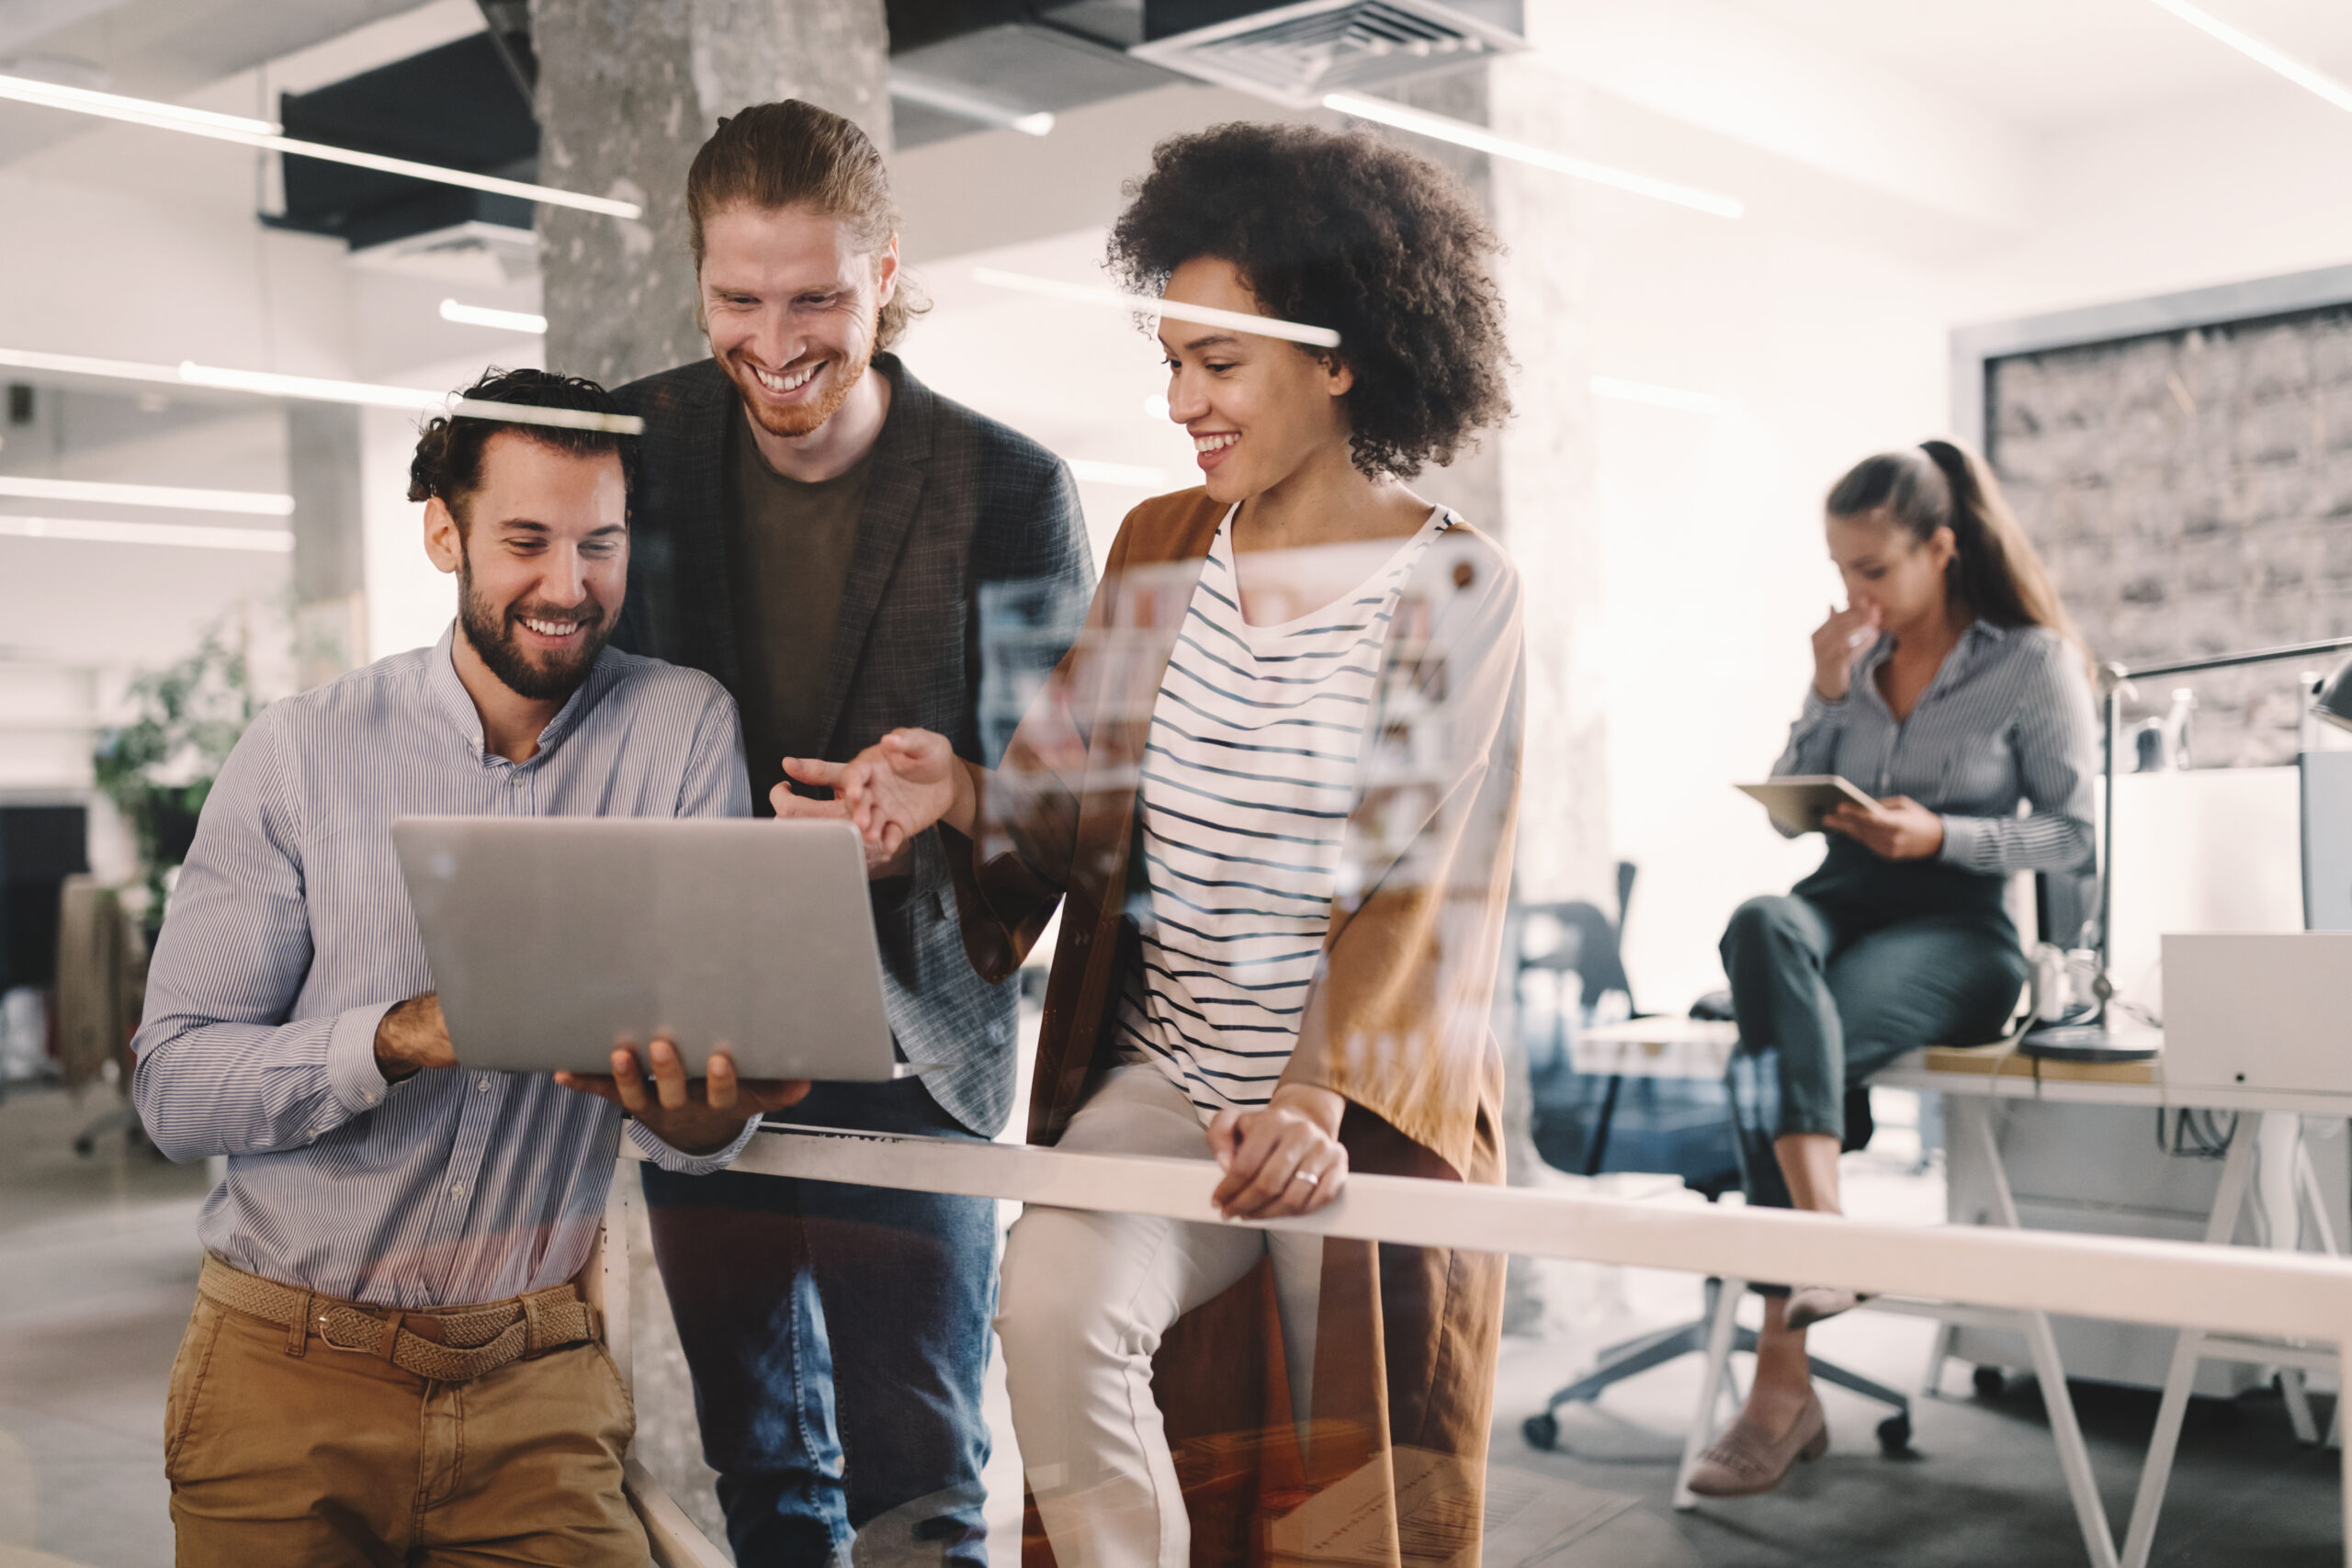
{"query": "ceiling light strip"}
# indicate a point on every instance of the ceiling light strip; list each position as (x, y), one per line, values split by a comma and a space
(484, 316)
(314, 389)
(180, 498)
(2304, 76)
(1119, 299)
(108, 531)
(1478, 138)
(1658, 396)
(951, 98)
(84, 364)
(137, 111)
(267, 134)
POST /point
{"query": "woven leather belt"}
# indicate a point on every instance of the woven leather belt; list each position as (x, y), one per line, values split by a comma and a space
(451, 1345)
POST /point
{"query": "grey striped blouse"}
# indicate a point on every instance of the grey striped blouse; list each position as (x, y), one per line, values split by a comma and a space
(2006, 721)
(290, 936)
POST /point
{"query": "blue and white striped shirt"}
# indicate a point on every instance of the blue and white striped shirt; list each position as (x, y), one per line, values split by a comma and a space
(1250, 774)
(2007, 719)
(290, 935)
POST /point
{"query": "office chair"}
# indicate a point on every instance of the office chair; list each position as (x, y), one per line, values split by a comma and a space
(1678, 1122)
(1748, 1118)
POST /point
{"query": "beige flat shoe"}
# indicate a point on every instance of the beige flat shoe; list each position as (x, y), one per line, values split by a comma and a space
(1809, 1305)
(1744, 1461)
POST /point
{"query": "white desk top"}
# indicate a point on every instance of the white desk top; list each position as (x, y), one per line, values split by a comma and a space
(1676, 1047)
(1661, 1047)
(2021, 1083)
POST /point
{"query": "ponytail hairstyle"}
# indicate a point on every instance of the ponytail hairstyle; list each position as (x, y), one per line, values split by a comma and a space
(1994, 574)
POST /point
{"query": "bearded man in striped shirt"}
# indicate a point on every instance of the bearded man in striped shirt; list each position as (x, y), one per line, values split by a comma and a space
(390, 1360)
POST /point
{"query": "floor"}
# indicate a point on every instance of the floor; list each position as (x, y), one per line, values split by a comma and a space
(98, 1271)
(97, 1265)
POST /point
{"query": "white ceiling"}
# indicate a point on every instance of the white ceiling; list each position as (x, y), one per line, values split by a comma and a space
(2053, 64)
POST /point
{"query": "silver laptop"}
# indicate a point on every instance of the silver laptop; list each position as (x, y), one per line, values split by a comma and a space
(552, 940)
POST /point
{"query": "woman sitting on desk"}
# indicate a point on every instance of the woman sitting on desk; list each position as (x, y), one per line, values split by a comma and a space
(1950, 688)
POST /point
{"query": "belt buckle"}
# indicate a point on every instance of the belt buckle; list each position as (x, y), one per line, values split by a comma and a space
(327, 1320)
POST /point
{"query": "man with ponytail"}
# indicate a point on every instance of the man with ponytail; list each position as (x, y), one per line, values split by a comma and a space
(1951, 689)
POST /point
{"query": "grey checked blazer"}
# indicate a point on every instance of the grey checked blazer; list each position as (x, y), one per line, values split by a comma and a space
(970, 577)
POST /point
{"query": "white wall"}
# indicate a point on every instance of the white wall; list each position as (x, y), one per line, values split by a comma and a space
(1821, 318)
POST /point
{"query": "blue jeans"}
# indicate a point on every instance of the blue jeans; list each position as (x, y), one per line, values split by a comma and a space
(839, 1338)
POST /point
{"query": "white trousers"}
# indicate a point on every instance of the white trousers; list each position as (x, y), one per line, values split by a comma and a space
(1084, 1301)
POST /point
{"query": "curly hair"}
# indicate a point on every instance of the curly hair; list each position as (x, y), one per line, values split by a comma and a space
(449, 447)
(1345, 231)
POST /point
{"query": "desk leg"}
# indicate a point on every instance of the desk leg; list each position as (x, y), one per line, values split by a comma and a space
(2346, 1452)
(2073, 1455)
(1722, 1317)
(2155, 1475)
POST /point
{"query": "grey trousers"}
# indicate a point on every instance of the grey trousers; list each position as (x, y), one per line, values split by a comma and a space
(1838, 993)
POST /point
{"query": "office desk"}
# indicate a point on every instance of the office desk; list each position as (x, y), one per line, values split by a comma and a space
(1973, 1080)
(1692, 1047)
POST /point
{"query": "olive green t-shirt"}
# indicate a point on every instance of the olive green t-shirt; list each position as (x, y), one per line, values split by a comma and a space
(789, 546)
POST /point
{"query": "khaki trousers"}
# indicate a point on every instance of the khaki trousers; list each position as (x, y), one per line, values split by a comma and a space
(325, 1458)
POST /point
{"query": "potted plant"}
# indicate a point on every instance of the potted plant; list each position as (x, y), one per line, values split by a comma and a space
(158, 768)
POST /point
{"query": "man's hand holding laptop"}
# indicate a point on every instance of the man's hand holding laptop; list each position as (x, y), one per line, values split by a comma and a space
(692, 1116)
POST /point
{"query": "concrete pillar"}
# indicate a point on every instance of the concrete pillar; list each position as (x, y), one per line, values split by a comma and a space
(323, 473)
(1551, 504)
(628, 91)
(1532, 484)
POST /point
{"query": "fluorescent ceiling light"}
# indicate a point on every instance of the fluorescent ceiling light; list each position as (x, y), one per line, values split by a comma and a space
(1650, 392)
(313, 389)
(950, 98)
(1462, 133)
(2254, 49)
(268, 134)
(256, 503)
(1133, 476)
(483, 316)
(310, 389)
(135, 111)
(105, 531)
(1119, 299)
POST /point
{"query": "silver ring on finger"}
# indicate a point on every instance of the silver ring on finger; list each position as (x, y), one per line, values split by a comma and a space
(1303, 1174)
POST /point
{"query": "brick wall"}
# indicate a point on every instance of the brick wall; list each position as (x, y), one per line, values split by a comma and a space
(2191, 493)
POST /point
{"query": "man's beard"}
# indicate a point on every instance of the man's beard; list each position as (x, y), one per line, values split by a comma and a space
(549, 679)
(804, 419)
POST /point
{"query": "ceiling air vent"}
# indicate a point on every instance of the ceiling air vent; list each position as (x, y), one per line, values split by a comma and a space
(1297, 53)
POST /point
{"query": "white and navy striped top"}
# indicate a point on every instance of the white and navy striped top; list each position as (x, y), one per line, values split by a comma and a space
(290, 935)
(2007, 719)
(1249, 776)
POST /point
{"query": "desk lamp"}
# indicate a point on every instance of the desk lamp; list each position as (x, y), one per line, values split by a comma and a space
(2332, 701)
(2091, 1040)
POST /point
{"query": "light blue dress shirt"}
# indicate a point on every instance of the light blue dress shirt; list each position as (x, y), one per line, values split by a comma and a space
(2006, 721)
(290, 936)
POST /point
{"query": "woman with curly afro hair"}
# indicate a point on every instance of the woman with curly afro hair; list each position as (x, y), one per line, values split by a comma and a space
(1272, 787)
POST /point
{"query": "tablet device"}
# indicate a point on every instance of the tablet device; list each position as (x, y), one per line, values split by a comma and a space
(1798, 803)
(552, 940)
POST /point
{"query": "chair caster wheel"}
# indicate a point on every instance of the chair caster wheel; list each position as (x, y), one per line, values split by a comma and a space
(1542, 1431)
(1989, 1381)
(1894, 1435)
